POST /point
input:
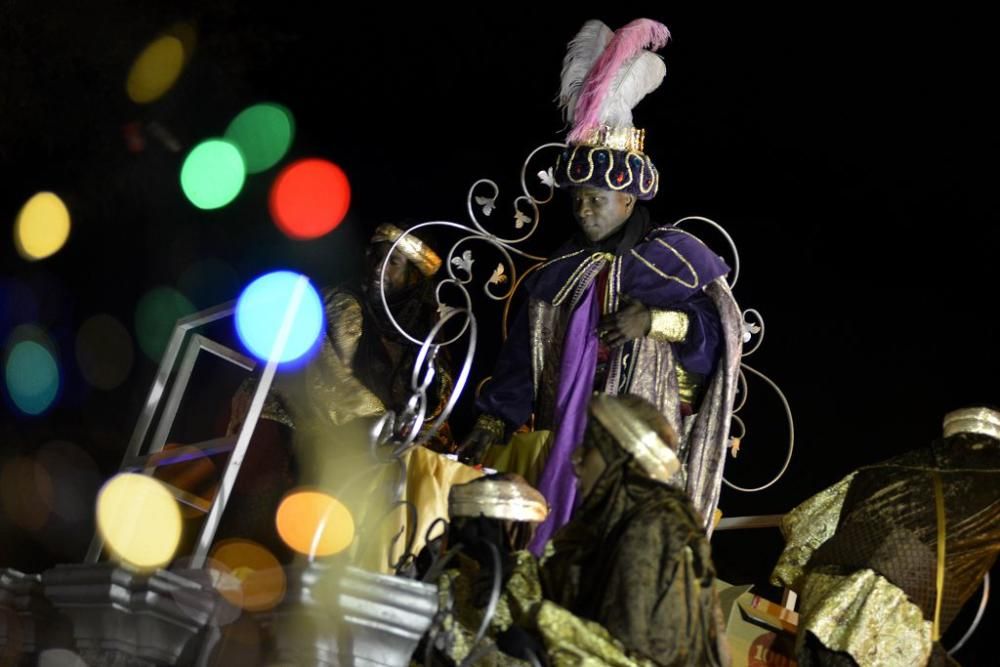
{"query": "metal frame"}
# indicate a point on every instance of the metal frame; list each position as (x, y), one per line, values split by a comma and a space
(177, 374)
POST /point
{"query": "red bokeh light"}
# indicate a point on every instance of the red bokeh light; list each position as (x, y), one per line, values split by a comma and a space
(310, 198)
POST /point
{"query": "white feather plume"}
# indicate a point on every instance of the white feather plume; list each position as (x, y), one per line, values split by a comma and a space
(636, 79)
(581, 53)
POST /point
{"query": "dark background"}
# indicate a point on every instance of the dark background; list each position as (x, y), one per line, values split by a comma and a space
(851, 156)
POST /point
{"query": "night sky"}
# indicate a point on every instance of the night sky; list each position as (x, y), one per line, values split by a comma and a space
(852, 157)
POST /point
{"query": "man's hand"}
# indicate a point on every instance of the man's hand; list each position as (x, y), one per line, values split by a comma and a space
(632, 321)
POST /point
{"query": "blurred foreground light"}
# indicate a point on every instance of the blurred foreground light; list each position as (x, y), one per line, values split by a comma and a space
(213, 174)
(139, 520)
(261, 578)
(31, 371)
(314, 523)
(310, 198)
(155, 317)
(263, 133)
(42, 226)
(189, 470)
(104, 351)
(155, 70)
(221, 579)
(75, 479)
(26, 492)
(266, 304)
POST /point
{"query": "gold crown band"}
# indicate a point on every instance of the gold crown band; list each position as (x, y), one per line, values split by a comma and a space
(973, 420)
(619, 138)
(415, 250)
(636, 437)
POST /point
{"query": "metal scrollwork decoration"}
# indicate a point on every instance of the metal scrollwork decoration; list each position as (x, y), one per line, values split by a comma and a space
(396, 433)
(753, 334)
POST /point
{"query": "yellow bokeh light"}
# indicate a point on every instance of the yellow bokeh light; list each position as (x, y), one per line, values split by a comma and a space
(156, 69)
(315, 523)
(42, 226)
(139, 520)
(261, 578)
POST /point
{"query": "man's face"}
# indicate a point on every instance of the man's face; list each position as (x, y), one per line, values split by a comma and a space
(588, 466)
(398, 272)
(600, 213)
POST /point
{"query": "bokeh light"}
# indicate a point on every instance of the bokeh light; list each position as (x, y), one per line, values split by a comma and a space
(209, 282)
(104, 351)
(310, 198)
(75, 479)
(220, 577)
(31, 371)
(26, 491)
(42, 226)
(314, 523)
(155, 316)
(262, 309)
(264, 133)
(213, 174)
(155, 70)
(190, 471)
(139, 520)
(262, 581)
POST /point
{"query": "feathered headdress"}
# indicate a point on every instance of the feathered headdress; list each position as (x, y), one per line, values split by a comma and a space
(604, 75)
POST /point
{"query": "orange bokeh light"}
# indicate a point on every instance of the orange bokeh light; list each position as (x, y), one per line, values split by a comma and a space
(260, 574)
(314, 523)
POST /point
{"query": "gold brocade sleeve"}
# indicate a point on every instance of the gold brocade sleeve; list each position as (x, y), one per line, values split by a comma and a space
(864, 615)
(574, 642)
(460, 623)
(668, 325)
(332, 390)
(805, 528)
(521, 595)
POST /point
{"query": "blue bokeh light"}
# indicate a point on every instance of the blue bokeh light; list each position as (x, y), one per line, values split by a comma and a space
(262, 308)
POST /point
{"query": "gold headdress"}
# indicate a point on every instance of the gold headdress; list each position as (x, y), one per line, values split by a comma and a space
(415, 250)
(506, 496)
(973, 420)
(636, 436)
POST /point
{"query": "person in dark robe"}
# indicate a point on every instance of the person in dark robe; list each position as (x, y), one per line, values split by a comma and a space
(885, 559)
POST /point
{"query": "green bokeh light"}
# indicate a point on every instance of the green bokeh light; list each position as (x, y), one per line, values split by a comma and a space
(155, 316)
(264, 133)
(213, 173)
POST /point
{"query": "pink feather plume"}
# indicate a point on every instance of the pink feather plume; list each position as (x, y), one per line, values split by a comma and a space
(627, 43)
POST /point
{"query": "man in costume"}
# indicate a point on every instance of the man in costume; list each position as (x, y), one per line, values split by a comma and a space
(885, 559)
(495, 514)
(625, 306)
(361, 369)
(363, 364)
(629, 581)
